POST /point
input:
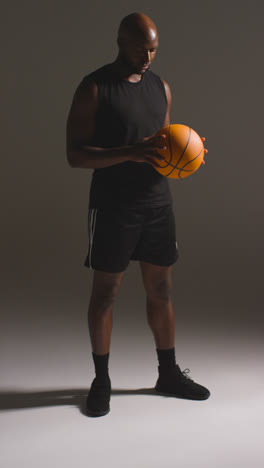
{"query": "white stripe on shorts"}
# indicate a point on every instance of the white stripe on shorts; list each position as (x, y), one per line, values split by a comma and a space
(91, 228)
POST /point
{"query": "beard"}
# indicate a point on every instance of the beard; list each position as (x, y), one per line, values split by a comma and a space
(132, 68)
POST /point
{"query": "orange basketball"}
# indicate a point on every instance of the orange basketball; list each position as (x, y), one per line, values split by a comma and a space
(184, 153)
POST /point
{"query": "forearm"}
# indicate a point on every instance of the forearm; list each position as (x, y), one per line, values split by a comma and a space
(92, 157)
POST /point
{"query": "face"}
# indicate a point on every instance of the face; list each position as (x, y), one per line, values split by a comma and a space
(138, 54)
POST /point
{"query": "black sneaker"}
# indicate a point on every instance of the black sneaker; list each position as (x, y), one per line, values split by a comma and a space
(178, 384)
(97, 403)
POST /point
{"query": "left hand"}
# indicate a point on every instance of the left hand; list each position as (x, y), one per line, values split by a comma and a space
(205, 150)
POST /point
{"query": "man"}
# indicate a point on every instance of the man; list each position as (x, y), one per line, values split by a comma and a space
(116, 111)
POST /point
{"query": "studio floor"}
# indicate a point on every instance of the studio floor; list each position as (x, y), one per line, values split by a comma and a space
(42, 406)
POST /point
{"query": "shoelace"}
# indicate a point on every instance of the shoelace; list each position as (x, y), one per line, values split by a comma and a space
(185, 372)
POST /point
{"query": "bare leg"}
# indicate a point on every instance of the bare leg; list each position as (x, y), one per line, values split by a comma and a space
(157, 282)
(100, 320)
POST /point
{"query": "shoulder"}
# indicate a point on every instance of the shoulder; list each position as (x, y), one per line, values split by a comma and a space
(87, 91)
(167, 91)
(98, 76)
(90, 82)
(166, 86)
(156, 77)
(163, 83)
(152, 75)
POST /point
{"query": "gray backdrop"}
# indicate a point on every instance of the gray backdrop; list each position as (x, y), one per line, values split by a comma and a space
(211, 54)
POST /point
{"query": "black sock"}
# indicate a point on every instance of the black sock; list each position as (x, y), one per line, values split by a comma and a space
(101, 365)
(167, 359)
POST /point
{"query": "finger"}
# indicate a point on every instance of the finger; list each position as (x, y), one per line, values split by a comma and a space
(203, 139)
(156, 157)
(160, 137)
(152, 162)
(159, 156)
(206, 151)
(154, 154)
(160, 146)
(161, 143)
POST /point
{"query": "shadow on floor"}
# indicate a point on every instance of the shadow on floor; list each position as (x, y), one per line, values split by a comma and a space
(15, 399)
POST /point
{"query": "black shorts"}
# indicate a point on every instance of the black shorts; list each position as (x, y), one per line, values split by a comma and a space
(118, 235)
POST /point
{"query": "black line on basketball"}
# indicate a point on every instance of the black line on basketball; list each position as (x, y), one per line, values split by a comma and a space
(168, 163)
(186, 164)
(176, 167)
(170, 146)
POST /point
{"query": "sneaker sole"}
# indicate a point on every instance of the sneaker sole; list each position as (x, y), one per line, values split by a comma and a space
(96, 414)
(185, 397)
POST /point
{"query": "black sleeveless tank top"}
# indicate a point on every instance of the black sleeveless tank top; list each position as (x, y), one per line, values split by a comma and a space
(127, 113)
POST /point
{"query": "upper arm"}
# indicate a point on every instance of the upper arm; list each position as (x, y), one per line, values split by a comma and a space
(81, 118)
(168, 95)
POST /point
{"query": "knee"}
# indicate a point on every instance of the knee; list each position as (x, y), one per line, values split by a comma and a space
(159, 291)
(103, 299)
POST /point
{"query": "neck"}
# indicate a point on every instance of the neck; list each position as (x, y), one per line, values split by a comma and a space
(123, 69)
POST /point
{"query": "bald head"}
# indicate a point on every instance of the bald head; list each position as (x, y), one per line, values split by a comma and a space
(137, 26)
(137, 41)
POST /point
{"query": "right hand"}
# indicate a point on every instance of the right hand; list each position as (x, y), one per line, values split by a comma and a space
(146, 150)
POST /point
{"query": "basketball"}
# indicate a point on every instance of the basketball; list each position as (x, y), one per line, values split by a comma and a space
(184, 153)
